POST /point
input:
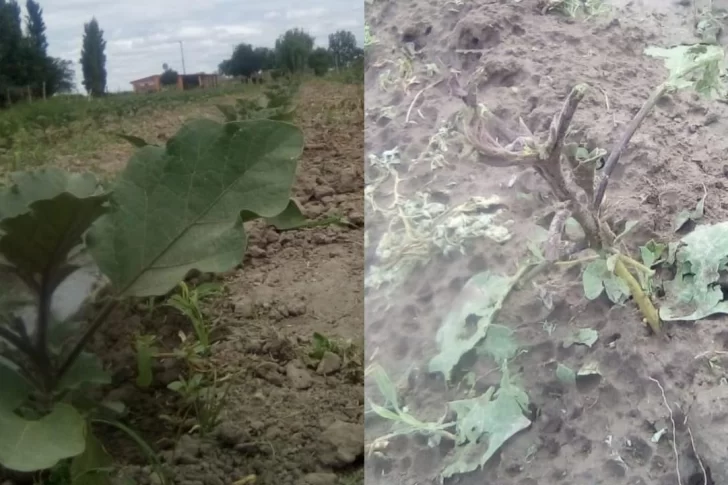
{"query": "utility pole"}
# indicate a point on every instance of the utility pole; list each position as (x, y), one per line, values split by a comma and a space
(182, 53)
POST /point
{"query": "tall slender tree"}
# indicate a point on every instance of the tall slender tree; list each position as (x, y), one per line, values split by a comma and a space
(36, 27)
(93, 59)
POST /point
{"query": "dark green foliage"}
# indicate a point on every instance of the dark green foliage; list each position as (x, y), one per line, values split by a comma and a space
(343, 48)
(293, 50)
(247, 60)
(169, 76)
(320, 61)
(93, 59)
(24, 62)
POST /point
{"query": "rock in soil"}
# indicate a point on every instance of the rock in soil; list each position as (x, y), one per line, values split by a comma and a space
(330, 363)
(342, 443)
(299, 377)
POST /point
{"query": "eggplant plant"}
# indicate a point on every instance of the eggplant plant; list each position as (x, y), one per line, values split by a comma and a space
(173, 209)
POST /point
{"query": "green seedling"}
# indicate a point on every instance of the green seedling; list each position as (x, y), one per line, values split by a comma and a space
(612, 270)
(197, 194)
(188, 303)
(204, 399)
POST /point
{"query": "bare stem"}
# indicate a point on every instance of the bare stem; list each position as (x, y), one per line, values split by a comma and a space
(616, 152)
(649, 312)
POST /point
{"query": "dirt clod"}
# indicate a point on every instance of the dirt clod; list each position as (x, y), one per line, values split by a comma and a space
(342, 444)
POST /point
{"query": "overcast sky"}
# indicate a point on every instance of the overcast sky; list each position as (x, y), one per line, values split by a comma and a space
(141, 35)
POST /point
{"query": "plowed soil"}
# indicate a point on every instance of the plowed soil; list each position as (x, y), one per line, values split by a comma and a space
(524, 63)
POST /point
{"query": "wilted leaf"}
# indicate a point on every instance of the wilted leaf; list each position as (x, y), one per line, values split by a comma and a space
(28, 446)
(484, 424)
(694, 293)
(565, 374)
(467, 322)
(178, 208)
(695, 215)
(584, 336)
(589, 369)
(696, 66)
(597, 277)
(499, 343)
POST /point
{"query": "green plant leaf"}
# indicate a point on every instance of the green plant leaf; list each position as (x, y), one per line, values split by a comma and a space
(584, 336)
(598, 277)
(696, 66)
(468, 320)
(228, 112)
(93, 465)
(38, 242)
(178, 208)
(695, 215)
(15, 387)
(86, 369)
(592, 279)
(290, 218)
(145, 355)
(499, 343)
(565, 374)
(695, 291)
(28, 187)
(484, 424)
(28, 446)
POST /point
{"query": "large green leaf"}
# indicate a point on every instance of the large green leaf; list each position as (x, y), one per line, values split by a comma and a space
(28, 446)
(468, 321)
(39, 241)
(93, 465)
(178, 208)
(28, 187)
(695, 291)
(15, 387)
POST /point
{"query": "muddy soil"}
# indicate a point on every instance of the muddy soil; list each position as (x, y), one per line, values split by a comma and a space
(524, 64)
(289, 418)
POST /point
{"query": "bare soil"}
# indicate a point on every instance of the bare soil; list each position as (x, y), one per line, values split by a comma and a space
(524, 63)
(287, 419)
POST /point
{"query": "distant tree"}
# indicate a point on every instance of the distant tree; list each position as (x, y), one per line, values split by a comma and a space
(13, 62)
(343, 49)
(244, 61)
(93, 59)
(319, 61)
(293, 49)
(169, 76)
(36, 27)
(266, 57)
(60, 76)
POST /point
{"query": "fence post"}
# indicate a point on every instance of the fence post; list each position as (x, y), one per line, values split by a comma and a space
(44, 90)
(30, 96)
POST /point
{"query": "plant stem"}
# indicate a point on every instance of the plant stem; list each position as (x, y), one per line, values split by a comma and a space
(616, 152)
(637, 265)
(78, 348)
(649, 312)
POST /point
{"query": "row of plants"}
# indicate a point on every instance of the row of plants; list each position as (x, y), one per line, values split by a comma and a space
(199, 190)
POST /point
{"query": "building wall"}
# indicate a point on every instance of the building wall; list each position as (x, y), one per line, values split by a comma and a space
(148, 85)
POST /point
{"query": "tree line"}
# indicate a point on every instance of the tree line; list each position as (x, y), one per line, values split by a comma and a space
(26, 68)
(294, 52)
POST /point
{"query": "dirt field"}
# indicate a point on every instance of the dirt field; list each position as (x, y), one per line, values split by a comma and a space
(613, 428)
(288, 419)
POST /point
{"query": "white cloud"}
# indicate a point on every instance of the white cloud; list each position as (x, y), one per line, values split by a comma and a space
(142, 35)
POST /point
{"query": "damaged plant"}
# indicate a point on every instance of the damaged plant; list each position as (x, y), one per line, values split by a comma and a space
(572, 181)
(172, 210)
